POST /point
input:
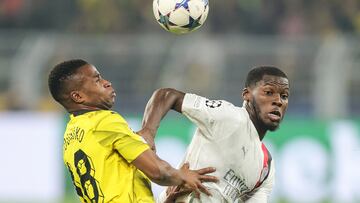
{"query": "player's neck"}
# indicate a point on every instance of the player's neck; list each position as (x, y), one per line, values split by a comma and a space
(254, 119)
(259, 128)
(82, 108)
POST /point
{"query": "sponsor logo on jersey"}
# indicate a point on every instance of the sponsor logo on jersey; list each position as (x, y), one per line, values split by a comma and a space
(235, 185)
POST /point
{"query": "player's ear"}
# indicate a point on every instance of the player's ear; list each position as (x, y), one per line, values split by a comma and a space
(246, 94)
(76, 97)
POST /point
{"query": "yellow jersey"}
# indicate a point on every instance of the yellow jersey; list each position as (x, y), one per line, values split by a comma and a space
(98, 149)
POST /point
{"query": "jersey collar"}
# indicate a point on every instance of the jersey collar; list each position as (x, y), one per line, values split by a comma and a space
(82, 111)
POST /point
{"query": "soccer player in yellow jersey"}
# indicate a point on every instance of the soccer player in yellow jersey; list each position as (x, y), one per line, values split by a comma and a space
(107, 161)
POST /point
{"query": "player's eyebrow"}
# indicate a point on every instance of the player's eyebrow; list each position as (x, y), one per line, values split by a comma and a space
(287, 90)
(96, 75)
(274, 83)
(282, 86)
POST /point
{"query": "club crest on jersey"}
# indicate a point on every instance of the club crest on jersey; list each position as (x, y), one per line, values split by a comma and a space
(213, 103)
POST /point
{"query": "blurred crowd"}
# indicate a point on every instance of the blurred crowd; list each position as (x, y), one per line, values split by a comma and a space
(242, 19)
(280, 17)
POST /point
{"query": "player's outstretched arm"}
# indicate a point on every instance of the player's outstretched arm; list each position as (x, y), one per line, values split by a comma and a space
(161, 172)
(158, 105)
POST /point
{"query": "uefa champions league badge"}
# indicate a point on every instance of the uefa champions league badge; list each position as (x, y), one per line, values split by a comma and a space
(213, 103)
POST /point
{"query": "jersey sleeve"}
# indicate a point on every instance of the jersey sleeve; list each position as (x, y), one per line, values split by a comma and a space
(114, 132)
(207, 114)
(261, 194)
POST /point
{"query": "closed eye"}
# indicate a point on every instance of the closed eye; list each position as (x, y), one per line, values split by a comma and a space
(98, 78)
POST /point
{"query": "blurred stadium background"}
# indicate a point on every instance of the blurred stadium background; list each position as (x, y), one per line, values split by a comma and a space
(316, 42)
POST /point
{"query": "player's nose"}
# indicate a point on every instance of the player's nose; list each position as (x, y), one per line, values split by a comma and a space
(107, 83)
(277, 101)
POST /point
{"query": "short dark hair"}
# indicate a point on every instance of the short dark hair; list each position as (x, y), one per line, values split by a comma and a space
(256, 74)
(60, 74)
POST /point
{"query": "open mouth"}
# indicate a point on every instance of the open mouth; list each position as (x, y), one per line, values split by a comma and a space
(275, 116)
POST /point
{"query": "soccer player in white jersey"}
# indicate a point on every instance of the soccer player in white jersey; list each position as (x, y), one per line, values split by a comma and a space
(227, 137)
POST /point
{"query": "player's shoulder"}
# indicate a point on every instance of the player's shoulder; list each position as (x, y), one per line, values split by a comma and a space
(109, 121)
(197, 101)
(113, 116)
(218, 109)
(106, 116)
(243, 115)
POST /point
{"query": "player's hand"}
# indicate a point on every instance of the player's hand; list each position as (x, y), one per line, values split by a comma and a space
(193, 179)
(148, 135)
(173, 192)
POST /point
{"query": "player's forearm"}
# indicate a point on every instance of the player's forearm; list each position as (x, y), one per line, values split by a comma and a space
(168, 175)
(159, 104)
(158, 170)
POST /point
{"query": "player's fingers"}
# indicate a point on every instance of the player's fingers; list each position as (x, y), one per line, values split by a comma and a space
(207, 178)
(206, 170)
(197, 193)
(203, 189)
(172, 189)
(186, 165)
(193, 187)
(182, 192)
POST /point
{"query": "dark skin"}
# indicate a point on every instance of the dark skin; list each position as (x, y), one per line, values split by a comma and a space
(266, 103)
(87, 90)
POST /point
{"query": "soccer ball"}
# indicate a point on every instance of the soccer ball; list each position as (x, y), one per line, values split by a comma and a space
(180, 16)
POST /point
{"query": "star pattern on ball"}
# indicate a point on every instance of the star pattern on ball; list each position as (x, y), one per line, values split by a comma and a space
(164, 20)
(177, 17)
(192, 23)
(184, 4)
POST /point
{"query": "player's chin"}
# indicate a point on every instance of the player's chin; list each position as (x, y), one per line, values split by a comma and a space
(111, 101)
(107, 105)
(273, 126)
(111, 104)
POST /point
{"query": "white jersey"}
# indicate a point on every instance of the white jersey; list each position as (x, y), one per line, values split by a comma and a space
(227, 139)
